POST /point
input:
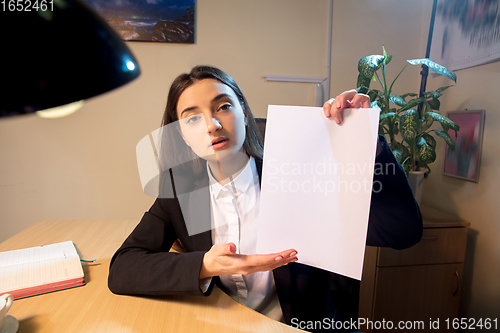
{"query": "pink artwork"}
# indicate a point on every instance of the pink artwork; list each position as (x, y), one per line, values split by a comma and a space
(464, 161)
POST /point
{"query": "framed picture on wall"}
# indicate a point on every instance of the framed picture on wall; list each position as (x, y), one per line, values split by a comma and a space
(465, 33)
(168, 21)
(464, 162)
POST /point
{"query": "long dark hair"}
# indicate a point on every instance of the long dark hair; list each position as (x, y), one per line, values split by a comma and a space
(172, 142)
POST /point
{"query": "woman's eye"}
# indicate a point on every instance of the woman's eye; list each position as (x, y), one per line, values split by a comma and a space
(224, 107)
(193, 119)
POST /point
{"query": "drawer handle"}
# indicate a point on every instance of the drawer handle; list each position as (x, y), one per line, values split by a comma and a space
(458, 284)
(430, 238)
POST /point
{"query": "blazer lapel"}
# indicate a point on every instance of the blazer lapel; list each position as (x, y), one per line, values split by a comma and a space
(194, 199)
(201, 215)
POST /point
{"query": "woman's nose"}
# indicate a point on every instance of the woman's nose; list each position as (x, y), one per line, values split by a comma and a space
(213, 125)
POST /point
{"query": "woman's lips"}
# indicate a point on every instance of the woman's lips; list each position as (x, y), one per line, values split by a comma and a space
(220, 145)
(219, 142)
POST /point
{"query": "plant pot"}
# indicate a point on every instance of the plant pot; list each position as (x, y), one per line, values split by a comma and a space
(416, 180)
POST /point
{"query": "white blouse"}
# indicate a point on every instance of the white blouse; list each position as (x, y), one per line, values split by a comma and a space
(235, 210)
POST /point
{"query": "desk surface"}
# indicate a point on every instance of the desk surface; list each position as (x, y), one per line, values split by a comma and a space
(435, 218)
(93, 308)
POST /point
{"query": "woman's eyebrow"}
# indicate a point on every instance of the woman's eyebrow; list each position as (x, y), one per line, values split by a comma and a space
(188, 109)
(220, 96)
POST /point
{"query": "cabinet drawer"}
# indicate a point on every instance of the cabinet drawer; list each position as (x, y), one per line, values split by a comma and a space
(438, 245)
(417, 293)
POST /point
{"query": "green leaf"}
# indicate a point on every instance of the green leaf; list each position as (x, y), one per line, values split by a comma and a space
(446, 137)
(434, 104)
(409, 124)
(388, 114)
(439, 90)
(398, 154)
(408, 135)
(375, 104)
(373, 94)
(406, 167)
(427, 107)
(398, 100)
(385, 122)
(430, 140)
(428, 122)
(412, 103)
(409, 94)
(433, 94)
(446, 122)
(425, 152)
(367, 66)
(435, 67)
(406, 152)
(398, 146)
(387, 58)
(363, 84)
(396, 129)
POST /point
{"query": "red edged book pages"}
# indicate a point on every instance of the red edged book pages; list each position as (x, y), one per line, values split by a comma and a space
(39, 270)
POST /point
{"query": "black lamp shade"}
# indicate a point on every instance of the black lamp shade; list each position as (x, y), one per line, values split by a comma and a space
(58, 56)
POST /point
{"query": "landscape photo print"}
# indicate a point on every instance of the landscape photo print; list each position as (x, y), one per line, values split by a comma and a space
(165, 21)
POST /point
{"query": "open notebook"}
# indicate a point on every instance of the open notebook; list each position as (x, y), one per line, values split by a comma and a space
(40, 270)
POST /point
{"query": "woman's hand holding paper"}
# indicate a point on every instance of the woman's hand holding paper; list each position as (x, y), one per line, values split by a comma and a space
(348, 99)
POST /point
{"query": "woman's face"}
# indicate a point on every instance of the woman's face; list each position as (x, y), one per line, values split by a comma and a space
(212, 120)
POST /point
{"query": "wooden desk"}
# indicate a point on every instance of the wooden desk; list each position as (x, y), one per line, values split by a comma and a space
(93, 308)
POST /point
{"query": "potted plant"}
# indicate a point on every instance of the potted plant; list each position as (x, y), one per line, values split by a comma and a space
(407, 128)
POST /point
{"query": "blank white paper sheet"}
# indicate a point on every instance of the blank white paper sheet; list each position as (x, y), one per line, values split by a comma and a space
(316, 186)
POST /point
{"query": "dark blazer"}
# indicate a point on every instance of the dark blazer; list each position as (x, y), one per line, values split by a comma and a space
(143, 265)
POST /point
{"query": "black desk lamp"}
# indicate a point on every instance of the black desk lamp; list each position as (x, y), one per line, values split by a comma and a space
(57, 56)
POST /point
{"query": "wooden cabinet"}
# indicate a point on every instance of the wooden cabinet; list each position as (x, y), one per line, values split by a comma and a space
(419, 284)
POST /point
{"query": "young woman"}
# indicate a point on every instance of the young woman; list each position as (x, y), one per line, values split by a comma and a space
(216, 185)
